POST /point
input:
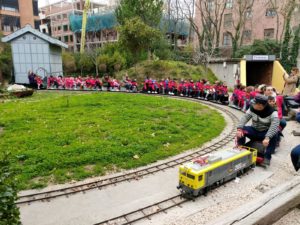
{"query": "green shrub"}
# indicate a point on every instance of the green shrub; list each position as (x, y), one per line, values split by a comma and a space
(167, 68)
(116, 62)
(9, 212)
(260, 47)
(69, 63)
(5, 61)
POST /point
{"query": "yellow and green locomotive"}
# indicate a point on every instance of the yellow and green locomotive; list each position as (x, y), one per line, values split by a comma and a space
(198, 176)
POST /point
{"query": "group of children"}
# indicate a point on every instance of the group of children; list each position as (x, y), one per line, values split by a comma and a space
(199, 89)
(90, 83)
(36, 81)
(242, 95)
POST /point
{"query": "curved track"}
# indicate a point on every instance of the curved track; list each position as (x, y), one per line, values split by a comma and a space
(146, 212)
(137, 174)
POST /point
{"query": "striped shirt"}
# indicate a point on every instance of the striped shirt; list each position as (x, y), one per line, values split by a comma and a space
(269, 123)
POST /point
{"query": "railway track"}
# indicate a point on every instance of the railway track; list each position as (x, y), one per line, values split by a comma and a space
(137, 174)
(146, 212)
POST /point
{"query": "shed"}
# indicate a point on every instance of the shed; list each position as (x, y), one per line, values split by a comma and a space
(262, 69)
(35, 51)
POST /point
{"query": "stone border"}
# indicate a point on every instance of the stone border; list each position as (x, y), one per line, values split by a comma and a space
(266, 210)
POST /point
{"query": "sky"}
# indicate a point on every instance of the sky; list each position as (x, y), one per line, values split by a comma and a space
(46, 2)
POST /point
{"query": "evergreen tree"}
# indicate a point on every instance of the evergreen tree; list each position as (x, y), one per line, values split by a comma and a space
(149, 11)
(5, 61)
(295, 48)
(138, 37)
(285, 48)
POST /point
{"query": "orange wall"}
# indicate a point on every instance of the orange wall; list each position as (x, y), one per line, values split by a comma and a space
(26, 12)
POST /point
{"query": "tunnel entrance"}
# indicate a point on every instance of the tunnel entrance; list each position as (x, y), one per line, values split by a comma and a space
(259, 72)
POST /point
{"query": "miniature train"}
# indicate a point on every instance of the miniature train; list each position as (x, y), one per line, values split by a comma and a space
(200, 175)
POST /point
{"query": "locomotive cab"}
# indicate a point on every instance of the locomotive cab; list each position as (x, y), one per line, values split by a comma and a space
(191, 179)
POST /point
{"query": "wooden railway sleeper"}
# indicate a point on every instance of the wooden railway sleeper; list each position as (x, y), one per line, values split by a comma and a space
(146, 215)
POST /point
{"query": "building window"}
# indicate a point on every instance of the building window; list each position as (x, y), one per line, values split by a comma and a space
(59, 38)
(58, 17)
(65, 27)
(228, 20)
(9, 5)
(58, 27)
(226, 39)
(35, 7)
(269, 33)
(247, 35)
(271, 12)
(10, 23)
(37, 24)
(228, 4)
(210, 5)
(65, 16)
(71, 38)
(248, 14)
(66, 38)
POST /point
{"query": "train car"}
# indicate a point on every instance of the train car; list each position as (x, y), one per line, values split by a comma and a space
(198, 176)
(258, 145)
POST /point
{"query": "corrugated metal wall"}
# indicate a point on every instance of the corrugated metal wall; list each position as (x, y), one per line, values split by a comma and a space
(33, 53)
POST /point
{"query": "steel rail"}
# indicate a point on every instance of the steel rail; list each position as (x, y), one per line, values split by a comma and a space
(145, 212)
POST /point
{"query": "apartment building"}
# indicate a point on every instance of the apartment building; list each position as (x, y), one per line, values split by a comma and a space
(15, 14)
(252, 19)
(56, 22)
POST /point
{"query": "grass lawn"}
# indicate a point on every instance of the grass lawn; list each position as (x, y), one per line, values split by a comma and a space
(58, 137)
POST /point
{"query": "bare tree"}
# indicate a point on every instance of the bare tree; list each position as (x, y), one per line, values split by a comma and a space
(175, 20)
(239, 18)
(275, 5)
(287, 9)
(94, 56)
(281, 9)
(207, 28)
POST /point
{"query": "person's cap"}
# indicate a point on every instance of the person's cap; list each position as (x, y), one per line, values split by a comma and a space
(261, 99)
